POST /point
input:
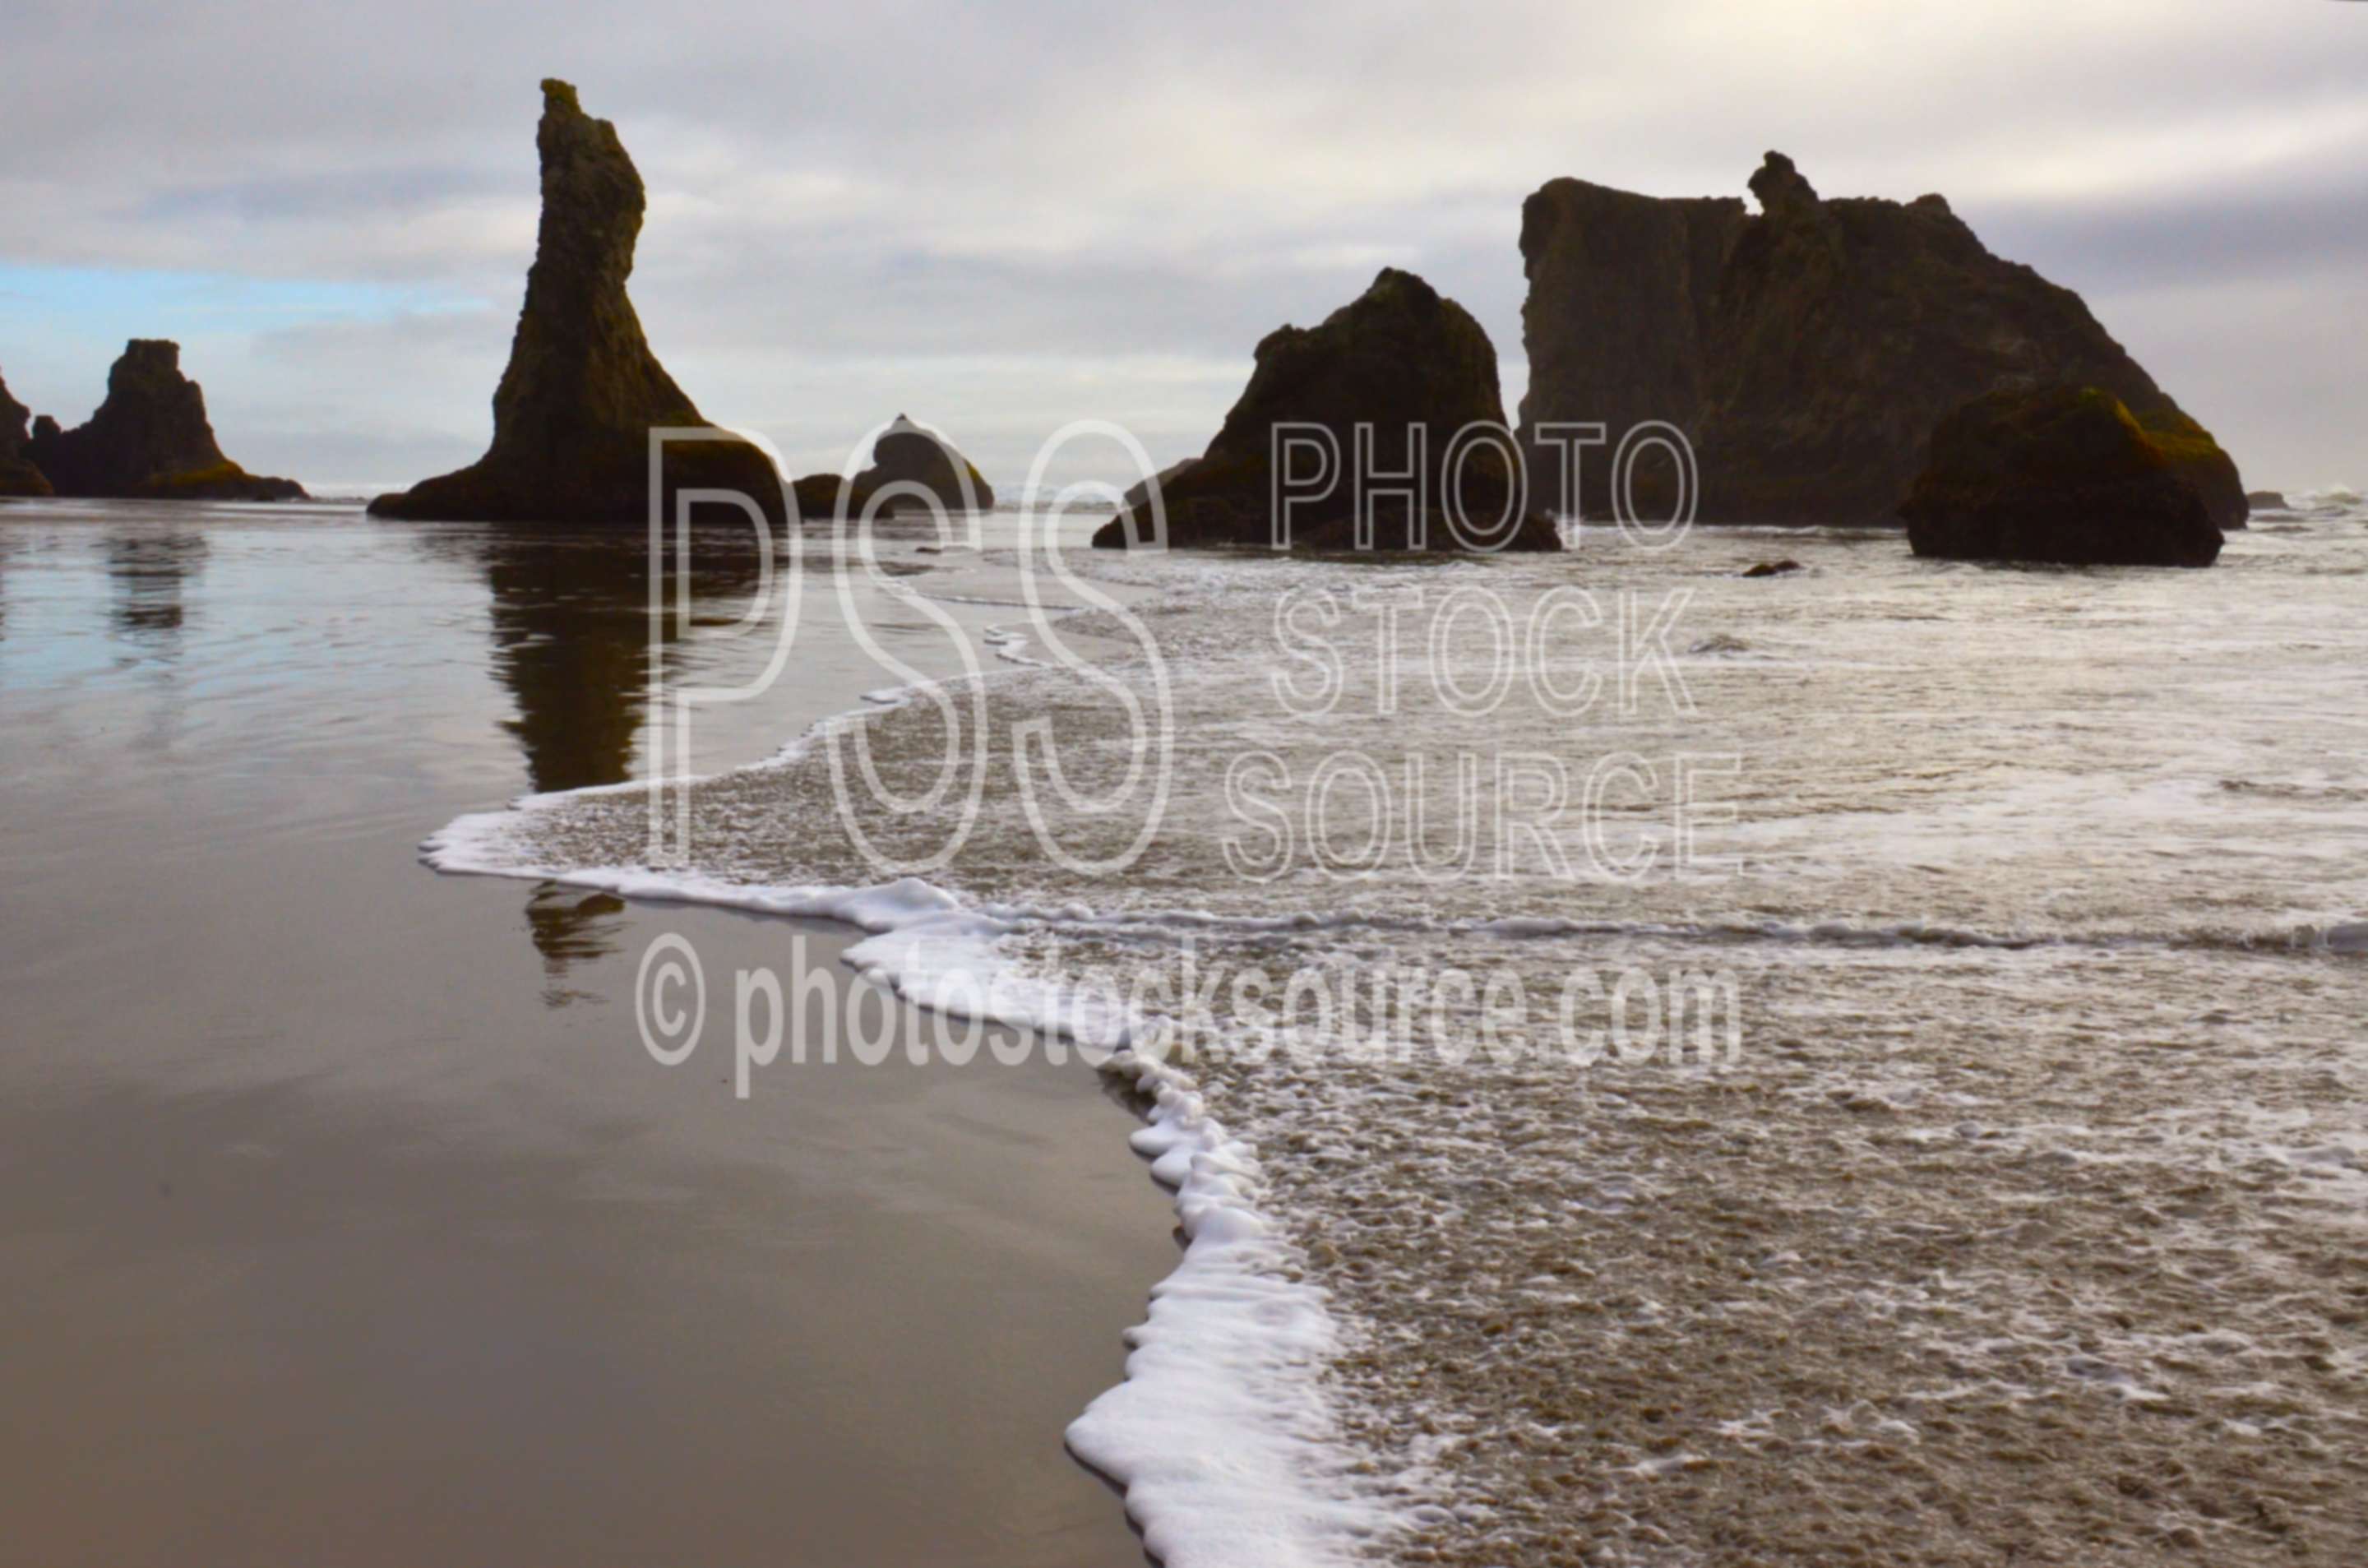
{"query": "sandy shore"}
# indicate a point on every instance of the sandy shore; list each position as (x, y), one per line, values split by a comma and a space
(634, 1319)
(344, 1217)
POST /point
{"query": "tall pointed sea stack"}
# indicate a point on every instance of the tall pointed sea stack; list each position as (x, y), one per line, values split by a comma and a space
(1809, 352)
(573, 415)
(18, 477)
(150, 440)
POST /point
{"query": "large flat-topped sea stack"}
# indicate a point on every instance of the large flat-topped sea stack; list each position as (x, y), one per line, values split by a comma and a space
(1398, 359)
(18, 477)
(1808, 352)
(573, 412)
(150, 440)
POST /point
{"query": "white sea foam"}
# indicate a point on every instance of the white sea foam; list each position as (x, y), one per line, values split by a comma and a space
(1225, 1436)
(1222, 1437)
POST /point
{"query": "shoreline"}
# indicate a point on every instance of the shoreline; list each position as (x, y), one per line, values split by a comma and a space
(420, 1257)
(1229, 1354)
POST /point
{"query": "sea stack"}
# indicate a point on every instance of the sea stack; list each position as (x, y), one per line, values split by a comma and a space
(1140, 496)
(909, 454)
(1401, 357)
(2062, 474)
(18, 477)
(150, 440)
(1807, 352)
(574, 412)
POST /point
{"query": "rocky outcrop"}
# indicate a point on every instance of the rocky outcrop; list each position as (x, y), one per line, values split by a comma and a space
(150, 440)
(2060, 474)
(2267, 501)
(574, 412)
(1138, 497)
(1400, 360)
(906, 453)
(1807, 352)
(822, 496)
(18, 477)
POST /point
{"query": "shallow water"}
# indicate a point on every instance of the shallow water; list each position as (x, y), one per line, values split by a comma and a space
(343, 1215)
(2013, 1207)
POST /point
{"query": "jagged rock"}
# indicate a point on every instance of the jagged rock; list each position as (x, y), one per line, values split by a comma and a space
(1807, 352)
(18, 477)
(1398, 358)
(1135, 507)
(906, 453)
(1138, 497)
(2267, 501)
(2060, 474)
(574, 412)
(150, 440)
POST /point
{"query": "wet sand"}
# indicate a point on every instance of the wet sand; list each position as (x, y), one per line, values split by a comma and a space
(343, 1215)
(2019, 1219)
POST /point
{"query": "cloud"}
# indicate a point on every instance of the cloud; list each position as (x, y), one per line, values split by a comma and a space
(1001, 217)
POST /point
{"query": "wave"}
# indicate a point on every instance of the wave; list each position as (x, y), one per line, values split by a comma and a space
(1222, 1437)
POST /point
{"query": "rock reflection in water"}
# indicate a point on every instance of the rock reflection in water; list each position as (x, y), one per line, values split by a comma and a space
(570, 616)
(150, 571)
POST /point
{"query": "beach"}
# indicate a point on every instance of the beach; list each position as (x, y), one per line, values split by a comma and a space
(1924, 1144)
(345, 1214)
(1985, 1209)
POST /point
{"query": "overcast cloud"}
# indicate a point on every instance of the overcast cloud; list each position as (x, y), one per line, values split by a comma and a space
(997, 218)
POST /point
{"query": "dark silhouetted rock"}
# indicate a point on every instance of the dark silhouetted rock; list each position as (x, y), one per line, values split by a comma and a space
(906, 453)
(18, 477)
(2062, 474)
(1618, 321)
(823, 496)
(1774, 569)
(573, 415)
(150, 440)
(1138, 496)
(1400, 358)
(2267, 501)
(1807, 352)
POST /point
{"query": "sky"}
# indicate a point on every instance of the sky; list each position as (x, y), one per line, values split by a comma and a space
(1001, 218)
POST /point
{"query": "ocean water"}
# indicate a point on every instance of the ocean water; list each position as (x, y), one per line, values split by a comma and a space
(1657, 1066)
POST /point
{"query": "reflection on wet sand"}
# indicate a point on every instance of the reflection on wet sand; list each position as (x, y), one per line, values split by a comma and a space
(150, 571)
(569, 925)
(325, 1239)
(571, 622)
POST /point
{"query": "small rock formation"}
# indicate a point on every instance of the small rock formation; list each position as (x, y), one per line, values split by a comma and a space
(820, 495)
(1807, 352)
(18, 477)
(906, 453)
(2267, 501)
(2062, 474)
(1138, 497)
(1397, 358)
(150, 440)
(574, 412)
(1774, 569)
